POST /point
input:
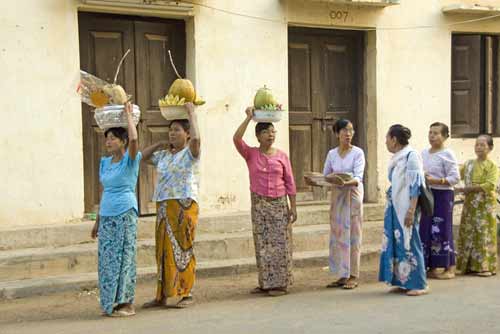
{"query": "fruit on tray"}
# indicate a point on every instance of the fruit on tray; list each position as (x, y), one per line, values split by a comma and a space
(171, 100)
(116, 94)
(184, 89)
(264, 97)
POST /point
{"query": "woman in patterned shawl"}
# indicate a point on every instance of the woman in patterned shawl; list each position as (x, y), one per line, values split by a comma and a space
(477, 241)
(176, 197)
(402, 259)
(271, 181)
(116, 224)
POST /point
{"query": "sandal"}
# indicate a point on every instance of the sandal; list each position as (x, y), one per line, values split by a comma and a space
(416, 293)
(185, 302)
(397, 289)
(258, 290)
(277, 292)
(446, 275)
(432, 274)
(155, 303)
(350, 284)
(337, 284)
(124, 312)
(485, 274)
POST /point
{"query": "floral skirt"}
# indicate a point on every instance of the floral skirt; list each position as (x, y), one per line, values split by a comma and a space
(401, 267)
(477, 240)
(436, 232)
(175, 231)
(117, 249)
(272, 235)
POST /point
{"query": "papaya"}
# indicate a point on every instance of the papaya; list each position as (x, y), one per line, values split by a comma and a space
(184, 89)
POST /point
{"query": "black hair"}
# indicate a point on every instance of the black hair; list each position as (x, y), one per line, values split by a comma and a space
(120, 133)
(341, 124)
(445, 131)
(489, 140)
(261, 127)
(184, 123)
(401, 133)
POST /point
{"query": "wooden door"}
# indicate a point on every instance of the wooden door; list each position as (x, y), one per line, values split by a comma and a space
(324, 79)
(466, 85)
(154, 77)
(103, 41)
(146, 74)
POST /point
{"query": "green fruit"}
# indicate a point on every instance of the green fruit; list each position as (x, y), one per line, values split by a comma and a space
(264, 97)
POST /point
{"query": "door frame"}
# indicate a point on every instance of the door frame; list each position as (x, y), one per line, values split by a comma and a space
(366, 102)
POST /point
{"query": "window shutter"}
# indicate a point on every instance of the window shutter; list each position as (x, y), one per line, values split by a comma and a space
(466, 94)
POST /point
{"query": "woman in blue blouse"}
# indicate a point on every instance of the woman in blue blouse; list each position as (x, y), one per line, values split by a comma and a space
(116, 224)
(402, 259)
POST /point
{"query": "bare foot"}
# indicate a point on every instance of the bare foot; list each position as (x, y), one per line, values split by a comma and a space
(416, 293)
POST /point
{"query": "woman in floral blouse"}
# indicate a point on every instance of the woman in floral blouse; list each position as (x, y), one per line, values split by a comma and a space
(477, 242)
(176, 197)
(402, 259)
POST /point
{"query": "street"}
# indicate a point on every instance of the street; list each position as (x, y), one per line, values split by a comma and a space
(464, 305)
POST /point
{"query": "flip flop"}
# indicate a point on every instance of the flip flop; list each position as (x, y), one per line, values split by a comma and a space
(185, 302)
(337, 284)
(258, 290)
(416, 293)
(154, 303)
(350, 285)
(277, 292)
(485, 274)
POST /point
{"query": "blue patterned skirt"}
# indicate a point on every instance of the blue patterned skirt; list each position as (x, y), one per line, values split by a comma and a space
(117, 251)
(398, 266)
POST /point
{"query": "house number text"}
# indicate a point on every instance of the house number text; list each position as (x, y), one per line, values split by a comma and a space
(339, 15)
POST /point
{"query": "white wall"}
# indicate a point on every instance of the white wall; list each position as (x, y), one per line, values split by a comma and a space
(41, 136)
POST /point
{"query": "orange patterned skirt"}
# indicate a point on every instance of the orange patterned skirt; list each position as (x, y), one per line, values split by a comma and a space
(175, 231)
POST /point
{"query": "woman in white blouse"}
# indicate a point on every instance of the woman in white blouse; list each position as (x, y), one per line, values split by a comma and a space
(436, 232)
(346, 213)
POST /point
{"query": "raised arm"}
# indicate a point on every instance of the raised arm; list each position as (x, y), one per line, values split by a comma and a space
(238, 135)
(194, 132)
(133, 144)
(147, 153)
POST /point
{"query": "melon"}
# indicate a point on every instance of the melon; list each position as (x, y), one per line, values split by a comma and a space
(263, 98)
(184, 89)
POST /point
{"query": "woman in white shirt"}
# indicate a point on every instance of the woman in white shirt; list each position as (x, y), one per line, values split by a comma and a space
(346, 213)
(436, 232)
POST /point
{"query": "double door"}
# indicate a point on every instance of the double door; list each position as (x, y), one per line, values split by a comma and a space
(146, 74)
(324, 75)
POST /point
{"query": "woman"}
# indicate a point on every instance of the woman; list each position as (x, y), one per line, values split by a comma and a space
(402, 260)
(271, 181)
(116, 223)
(436, 232)
(176, 197)
(477, 241)
(346, 213)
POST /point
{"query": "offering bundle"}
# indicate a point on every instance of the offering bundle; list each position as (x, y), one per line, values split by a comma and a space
(267, 109)
(108, 99)
(180, 92)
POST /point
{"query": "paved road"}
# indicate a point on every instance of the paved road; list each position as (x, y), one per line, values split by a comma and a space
(466, 305)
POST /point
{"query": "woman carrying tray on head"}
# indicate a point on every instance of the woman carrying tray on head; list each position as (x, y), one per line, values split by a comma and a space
(271, 181)
(176, 196)
(116, 224)
(346, 213)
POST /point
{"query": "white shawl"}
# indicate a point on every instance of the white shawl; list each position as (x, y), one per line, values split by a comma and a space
(401, 180)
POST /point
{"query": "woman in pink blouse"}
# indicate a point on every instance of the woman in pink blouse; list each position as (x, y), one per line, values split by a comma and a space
(271, 181)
